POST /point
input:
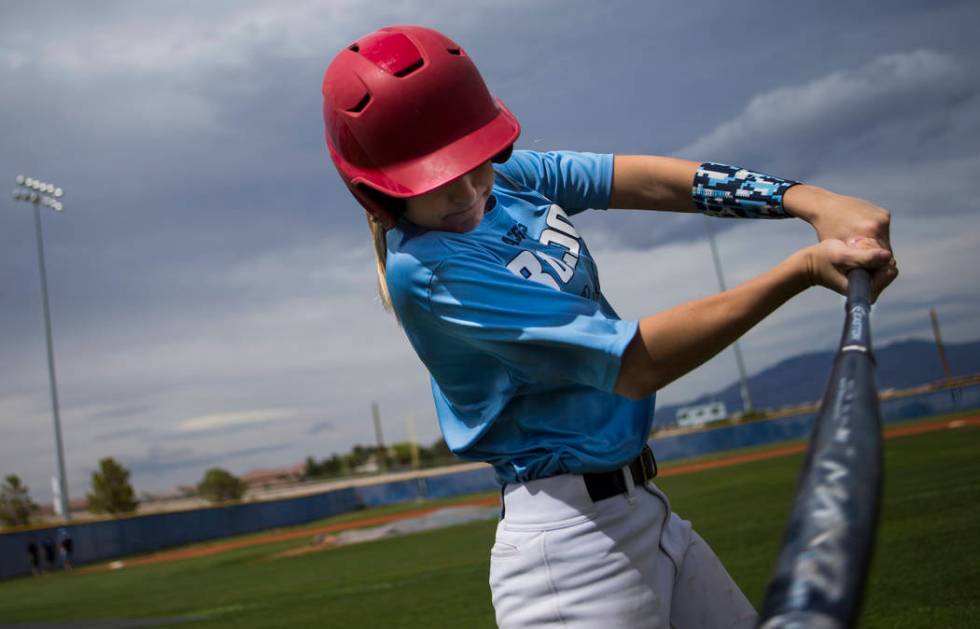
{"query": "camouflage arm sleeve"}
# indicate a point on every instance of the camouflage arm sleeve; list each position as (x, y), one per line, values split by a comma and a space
(731, 192)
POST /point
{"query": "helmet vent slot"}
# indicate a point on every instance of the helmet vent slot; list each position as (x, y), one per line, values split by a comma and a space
(391, 51)
(455, 51)
(354, 48)
(361, 104)
(409, 69)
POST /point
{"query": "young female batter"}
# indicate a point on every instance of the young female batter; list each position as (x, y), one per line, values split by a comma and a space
(532, 370)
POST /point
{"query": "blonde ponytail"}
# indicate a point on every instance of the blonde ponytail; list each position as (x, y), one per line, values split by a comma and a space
(380, 257)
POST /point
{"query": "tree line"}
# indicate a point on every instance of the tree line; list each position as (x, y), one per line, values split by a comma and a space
(398, 456)
(112, 492)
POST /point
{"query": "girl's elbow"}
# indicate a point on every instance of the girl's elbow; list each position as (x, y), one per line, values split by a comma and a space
(639, 386)
(640, 375)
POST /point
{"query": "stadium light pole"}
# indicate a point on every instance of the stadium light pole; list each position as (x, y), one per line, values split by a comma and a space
(38, 193)
(743, 380)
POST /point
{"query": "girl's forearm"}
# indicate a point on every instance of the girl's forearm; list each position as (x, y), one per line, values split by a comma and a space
(669, 344)
(648, 182)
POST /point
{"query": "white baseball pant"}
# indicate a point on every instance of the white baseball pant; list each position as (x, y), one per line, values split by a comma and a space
(560, 560)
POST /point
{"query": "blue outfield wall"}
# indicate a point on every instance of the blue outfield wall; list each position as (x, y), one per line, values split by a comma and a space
(108, 539)
(798, 426)
(441, 486)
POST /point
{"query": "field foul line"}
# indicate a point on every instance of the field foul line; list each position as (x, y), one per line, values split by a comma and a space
(674, 470)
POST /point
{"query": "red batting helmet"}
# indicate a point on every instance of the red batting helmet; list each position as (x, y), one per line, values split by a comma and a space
(406, 111)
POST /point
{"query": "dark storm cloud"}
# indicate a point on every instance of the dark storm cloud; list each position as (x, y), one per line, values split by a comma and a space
(918, 105)
(909, 122)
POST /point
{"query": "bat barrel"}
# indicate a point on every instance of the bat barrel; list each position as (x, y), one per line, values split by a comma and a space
(827, 546)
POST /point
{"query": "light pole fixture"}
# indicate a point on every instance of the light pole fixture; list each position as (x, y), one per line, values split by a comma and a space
(38, 193)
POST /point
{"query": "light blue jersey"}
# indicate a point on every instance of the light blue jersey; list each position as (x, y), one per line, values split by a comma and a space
(523, 349)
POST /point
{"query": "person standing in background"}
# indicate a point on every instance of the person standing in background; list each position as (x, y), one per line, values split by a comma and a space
(49, 553)
(34, 554)
(65, 547)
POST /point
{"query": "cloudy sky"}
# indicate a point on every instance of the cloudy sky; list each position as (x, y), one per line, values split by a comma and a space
(211, 283)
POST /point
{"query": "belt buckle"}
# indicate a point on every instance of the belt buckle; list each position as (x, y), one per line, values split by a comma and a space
(648, 463)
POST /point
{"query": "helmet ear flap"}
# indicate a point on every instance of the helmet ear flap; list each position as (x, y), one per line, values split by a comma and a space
(503, 155)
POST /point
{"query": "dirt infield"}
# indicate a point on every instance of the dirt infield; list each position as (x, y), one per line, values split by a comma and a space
(670, 470)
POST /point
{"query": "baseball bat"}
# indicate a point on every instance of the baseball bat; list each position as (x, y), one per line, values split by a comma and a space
(827, 546)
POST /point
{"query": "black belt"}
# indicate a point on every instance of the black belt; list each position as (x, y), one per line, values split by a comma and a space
(602, 485)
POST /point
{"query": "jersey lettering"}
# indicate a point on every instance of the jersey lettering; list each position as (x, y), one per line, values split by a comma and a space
(528, 267)
(515, 234)
(565, 271)
(552, 237)
(558, 220)
(560, 232)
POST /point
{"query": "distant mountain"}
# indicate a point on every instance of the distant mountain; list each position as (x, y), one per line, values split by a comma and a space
(803, 378)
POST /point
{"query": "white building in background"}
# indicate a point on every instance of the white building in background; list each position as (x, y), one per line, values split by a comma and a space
(700, 414)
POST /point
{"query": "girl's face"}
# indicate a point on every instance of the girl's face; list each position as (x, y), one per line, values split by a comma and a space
(457, 206)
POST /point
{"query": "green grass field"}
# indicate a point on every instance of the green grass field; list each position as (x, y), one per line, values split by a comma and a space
(926, 571)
